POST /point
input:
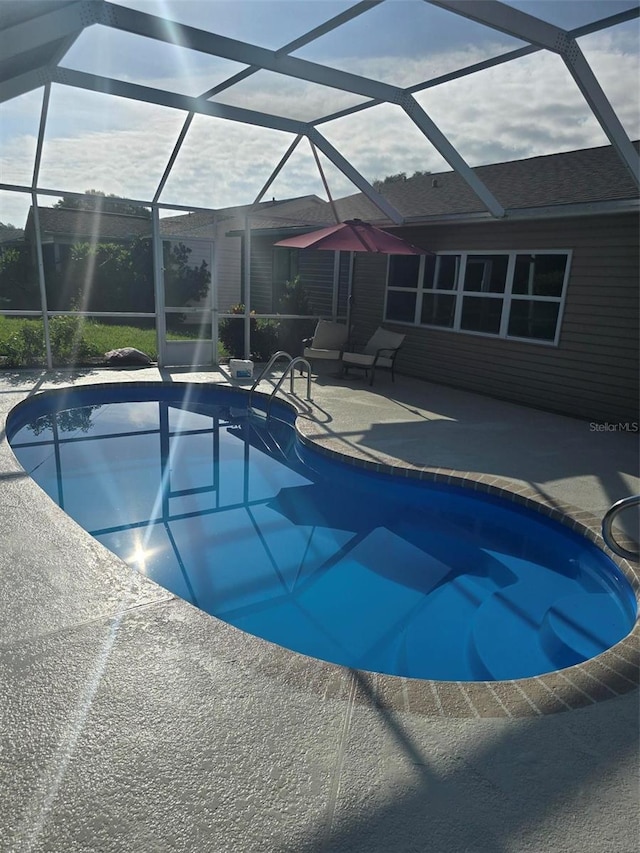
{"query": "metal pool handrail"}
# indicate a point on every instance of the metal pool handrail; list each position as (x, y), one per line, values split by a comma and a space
(607, 526)
(266, 369)
(298, 360)
(302, 362)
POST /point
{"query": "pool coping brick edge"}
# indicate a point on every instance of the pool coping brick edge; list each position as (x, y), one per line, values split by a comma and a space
(614, 672)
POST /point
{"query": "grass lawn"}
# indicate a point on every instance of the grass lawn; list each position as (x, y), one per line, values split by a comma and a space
(22, 339)
(104, 338)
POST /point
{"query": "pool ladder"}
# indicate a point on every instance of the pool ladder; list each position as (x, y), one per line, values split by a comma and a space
(607, 527)
(298, 362)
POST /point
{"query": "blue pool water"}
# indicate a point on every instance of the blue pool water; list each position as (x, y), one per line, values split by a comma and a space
(229, 511)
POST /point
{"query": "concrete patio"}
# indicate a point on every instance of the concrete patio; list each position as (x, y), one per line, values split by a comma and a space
(131, 721)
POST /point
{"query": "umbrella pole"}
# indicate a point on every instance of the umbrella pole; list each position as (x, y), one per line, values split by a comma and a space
(247, 287)
(352, 261)
(336, 286)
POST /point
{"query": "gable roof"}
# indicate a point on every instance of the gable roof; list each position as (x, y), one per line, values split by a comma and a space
(78, 225)
(268, 214)
(88, 224)
(536, 186)
(570, 183)
(11, 235)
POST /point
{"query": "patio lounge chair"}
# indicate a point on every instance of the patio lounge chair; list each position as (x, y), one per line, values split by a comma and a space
(327, 343)
(380, 351)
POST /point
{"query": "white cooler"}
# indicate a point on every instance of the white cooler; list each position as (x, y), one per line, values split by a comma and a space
(241, 368)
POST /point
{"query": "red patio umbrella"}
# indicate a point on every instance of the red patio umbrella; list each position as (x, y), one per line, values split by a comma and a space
(354, 235)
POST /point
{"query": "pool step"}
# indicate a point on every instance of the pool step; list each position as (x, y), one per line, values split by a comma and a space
(505, 638)
(436, 640)
(582, 625)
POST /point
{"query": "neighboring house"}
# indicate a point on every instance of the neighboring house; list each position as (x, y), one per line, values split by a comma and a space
(225, 227)
(10, 237)
(540, 307)
(203, 232)
(63, 227)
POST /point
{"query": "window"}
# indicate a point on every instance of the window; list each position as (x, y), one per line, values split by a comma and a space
(438, 301)
(538, 285)
(503, 294)
(402, 287)
(485, 275)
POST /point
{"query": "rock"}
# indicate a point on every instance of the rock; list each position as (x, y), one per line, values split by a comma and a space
(126, 356)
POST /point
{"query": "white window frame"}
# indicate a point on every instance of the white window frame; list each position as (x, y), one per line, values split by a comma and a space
(507, 297)
(414, 290)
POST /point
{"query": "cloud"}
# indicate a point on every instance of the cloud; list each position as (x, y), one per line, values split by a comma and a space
(524, 108)
(531, 106)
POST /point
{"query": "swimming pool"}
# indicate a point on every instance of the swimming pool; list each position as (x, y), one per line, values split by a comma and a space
(230, 511)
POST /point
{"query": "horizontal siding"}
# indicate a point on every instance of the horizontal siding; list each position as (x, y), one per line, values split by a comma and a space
(367, 304)
(593, 373)
(227, 280)
(316, 274)
(261, 276)
(314, 268)
(343, 284)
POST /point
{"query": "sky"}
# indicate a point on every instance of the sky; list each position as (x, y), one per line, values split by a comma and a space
(520, 109)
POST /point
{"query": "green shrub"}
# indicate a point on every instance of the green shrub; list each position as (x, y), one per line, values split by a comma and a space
(264, 335)
(68, 344)
(24, 345)
(294, 300)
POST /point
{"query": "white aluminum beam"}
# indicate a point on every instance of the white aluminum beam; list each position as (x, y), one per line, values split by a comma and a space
(492, 62)
(174, 155)
(151, 26)
(41, 131)
(331, 24)
(133, 91)
(158, 287)
(310, 36)
(451, 155)
(197, 105)
(24, 83)
(45, 29)
(301, 41)
(274, 174)
(41, 281)
(354, 176)
(598, 102)
(518, 53)
(507, 19)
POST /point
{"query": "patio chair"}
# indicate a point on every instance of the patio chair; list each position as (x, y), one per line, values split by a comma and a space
(327, 343)
(380, 352)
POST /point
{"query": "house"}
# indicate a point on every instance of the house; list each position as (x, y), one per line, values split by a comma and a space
(61, 227)
(226, 228)
(540, 307)
(203, 232)
(10, 237)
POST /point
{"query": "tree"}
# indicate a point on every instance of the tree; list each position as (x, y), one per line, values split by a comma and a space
(102, 277)
(183, 283)
(119, 277)
(19, 288)
(96, 200)
(380, 183)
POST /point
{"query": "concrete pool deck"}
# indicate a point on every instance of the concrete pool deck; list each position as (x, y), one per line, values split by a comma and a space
(130, 721)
